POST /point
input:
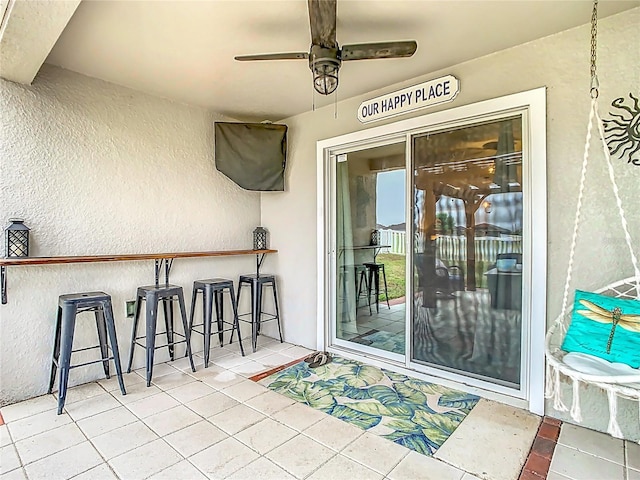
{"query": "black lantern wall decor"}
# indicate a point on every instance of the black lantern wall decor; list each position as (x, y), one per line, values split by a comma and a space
(375, 237)
(260, 238)
(16, 239)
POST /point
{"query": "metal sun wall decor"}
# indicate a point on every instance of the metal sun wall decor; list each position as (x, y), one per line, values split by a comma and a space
(622, 132)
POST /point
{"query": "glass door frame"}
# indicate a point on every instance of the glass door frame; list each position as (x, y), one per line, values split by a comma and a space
(532, 106)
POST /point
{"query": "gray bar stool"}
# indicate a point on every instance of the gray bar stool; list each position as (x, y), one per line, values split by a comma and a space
(257, 282)
(152, 295)
(213, 290)
(68, 307)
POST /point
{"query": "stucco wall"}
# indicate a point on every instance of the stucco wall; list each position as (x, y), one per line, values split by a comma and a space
(98, 169)
(559, 62)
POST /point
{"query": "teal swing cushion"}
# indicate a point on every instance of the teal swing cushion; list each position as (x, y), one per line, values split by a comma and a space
(598, 328)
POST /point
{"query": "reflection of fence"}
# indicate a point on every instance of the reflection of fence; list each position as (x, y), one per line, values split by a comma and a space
(454, 248)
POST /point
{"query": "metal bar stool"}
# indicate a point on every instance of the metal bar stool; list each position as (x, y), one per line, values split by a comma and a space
(152, 295)
(256, 282)
(68, 307)
(374, 270)
(361, 278)
(213, 290)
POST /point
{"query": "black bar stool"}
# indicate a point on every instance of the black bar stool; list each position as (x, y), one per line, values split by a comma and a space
(213, 290)
(68, 307)
(256, 282)
(361, 278)
(374, 270)
(152, 295)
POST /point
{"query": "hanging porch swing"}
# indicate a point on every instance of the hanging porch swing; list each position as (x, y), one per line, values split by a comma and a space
(580, 366)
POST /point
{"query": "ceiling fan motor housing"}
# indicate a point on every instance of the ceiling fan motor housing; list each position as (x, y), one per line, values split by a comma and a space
(324, 64)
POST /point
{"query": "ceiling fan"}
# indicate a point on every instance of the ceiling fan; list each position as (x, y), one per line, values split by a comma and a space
(325, 56)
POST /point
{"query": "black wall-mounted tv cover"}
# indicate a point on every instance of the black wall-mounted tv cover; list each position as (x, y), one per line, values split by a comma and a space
(253, 155)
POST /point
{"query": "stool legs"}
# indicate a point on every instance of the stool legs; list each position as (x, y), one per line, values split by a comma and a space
(236, 320)
(220, 314)
(185, 326)
(56, 350)
(386, 291)
(167, 308)
(102, 339)
(275, 302)
(151, 322)
(207, 312)
(111, 329)
(256, 309)
(136, 319)
(68, 328)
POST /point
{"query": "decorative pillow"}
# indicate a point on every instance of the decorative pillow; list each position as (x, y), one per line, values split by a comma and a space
(605, 327)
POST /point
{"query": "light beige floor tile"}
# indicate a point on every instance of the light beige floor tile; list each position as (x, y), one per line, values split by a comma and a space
(38, 423)
(172, 380)
(582, 466)
(151, 405)
(553, 476)
(249, 369)
(375, 452)
(270, 402)
(16, 474)
(343, 468)
(416, 465)
(265, 435)
(223, 458)
(494, 440)
(211, 404)
(144, 461)
(5, 438)
(229, 360)
(275, 359)
(65, 464)
(47, 443)
(181, 470)
(82, 392)
(171, 420)
(333, 433)
(184, 365)
(468, 476)
(9, 459)
(106, 421)
(222, 379)
(112, 385)
(595, 443)
(195, 438)
(300, 456)
(123, 439)
(30, 407)
(91, 406)
(101, 472)
(258, 355)
(278, 347)
(159, 370)
(299, 416)
(136, 392)
(261, 469)
(202, 372)
(244, 390)
(191, 391)
(296, 352)
(632, 474)
(633, 454)
(236, 419)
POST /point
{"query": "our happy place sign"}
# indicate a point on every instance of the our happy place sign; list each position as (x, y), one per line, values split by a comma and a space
(427, 94)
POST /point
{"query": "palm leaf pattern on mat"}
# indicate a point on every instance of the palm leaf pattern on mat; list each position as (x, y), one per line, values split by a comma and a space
(417, 414)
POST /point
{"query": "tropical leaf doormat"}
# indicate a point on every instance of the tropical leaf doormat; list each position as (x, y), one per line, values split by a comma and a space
(416, 414)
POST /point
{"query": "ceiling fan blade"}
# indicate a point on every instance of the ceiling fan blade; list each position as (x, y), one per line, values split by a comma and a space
(273, 56)
(322, 20)
(364, 51)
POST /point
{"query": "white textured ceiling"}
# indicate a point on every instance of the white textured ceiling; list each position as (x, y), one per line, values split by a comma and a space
(184, 50)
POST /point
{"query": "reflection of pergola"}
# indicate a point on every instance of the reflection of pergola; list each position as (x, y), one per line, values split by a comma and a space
(470, 181)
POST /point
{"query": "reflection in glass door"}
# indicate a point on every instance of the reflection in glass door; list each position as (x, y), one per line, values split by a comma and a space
(370, 249)
(467, 252)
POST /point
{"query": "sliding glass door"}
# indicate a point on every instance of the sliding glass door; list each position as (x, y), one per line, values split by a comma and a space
(432, 246)
(467, 226)
(370, 248)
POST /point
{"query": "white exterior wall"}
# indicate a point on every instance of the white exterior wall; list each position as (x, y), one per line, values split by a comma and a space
(559, 62)
(94, 168)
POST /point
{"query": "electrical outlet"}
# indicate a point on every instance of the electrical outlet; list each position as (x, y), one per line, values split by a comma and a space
(131, 308)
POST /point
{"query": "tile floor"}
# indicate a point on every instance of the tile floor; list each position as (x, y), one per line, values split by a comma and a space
(216, 423)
